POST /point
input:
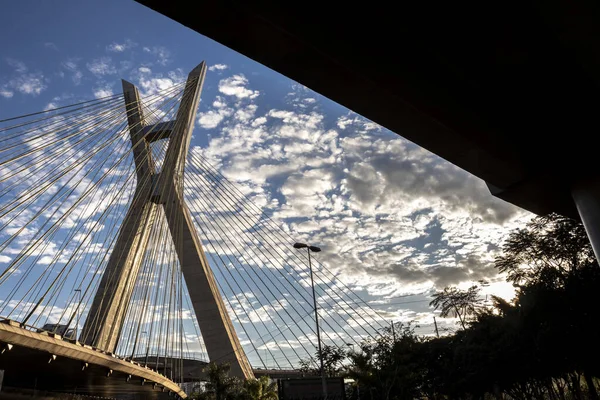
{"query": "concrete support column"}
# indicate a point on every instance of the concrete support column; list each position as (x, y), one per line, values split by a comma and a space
(105, 318)
(586, 194)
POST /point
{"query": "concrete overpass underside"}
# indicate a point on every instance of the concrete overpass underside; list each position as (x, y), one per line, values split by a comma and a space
(37, 362)
(508, 91)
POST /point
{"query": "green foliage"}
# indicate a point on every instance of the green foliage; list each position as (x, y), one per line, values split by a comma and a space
(260, 389)
(333, 358)
(542, 345)
(388, 367)
(220, 386)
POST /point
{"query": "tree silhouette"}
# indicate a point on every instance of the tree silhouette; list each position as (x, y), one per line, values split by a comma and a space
(453, 302)
(541, 345)
(219, 385)
(333, 357)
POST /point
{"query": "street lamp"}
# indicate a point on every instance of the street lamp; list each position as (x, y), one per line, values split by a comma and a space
(312, 283)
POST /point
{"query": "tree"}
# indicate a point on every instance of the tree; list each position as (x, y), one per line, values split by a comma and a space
(541, 345)
(388, 367)
(333, 358)
(457, 303)
(546, 251)
(260, 389)
(219, 385)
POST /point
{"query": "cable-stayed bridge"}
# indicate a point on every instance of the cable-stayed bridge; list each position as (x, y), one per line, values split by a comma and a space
(124, 255)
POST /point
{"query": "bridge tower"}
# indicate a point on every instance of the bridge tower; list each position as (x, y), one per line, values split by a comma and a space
(107, 313)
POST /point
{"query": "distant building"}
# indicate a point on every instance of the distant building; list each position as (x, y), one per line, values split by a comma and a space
(59, 329)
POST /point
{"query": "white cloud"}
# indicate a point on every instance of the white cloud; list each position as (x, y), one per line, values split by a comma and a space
(103, 91)
(236, 86)
(18, 66)
(151, 83)
(4, 259)
(101, 66)
(120, 47)
(71, 65)
(50, 45)
(29, 83)
(6, 93)
(218, 67)
(32, 83)
(387, 213)
(116, 47)
(161, 53)
(210, 119)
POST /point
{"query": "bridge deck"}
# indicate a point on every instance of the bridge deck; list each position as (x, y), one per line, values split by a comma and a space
(48, 362)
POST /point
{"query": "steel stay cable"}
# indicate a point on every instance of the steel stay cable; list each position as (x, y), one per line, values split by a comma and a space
(214, 251)
(146, 273)
(246, 297)
(87, 192)
(83, 297)
(77, 253)
(33, 247)
(277, 231)
(117, 100)
(46, 145)
(98, 150)
(267, 218)
(58, 165)
(80, 163)
(109, 117)
(195, 325)
(38, 161)
(107, 98)
(69, 262)
(56, 141)
(140, 186)
(52, 124)
(83, 225)
(90, 263)
(293, 286)
(267, 276)
(267, 238)
(156, 297)
(253, 281)
(285, 329)
(64, 267)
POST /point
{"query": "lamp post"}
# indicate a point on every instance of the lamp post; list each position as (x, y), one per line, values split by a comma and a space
(77, 312)
(312, 283)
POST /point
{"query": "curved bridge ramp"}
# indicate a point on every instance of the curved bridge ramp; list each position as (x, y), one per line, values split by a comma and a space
(45, 362)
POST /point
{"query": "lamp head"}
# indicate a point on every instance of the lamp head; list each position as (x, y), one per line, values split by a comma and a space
(298, 245)
(314, 249)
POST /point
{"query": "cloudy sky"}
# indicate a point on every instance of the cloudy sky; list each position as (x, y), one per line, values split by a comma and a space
(395, 222)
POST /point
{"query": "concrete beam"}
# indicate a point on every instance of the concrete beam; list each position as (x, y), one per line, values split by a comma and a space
(21, 337)
(102, 329)
(219, 335)
(103, 326)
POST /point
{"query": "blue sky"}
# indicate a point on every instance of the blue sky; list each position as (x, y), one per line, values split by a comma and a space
(393, 219)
